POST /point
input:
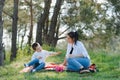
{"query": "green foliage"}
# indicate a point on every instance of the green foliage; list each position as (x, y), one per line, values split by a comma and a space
(94, 20)
(47, 47)
(7, 57)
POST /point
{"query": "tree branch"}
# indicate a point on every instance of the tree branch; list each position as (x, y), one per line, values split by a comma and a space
(64, 31)
(28, 2)
(62, 38)
(10, 15)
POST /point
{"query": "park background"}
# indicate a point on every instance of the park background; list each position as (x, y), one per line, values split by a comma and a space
(23, 22)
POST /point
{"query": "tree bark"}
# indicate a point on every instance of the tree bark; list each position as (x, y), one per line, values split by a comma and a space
(14, 30)
(45, 30)
(23, 36)
(1, 32)
(31, 27)
(53, 24)
(42, 20)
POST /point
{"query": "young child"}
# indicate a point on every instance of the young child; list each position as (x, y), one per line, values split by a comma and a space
(39, 57)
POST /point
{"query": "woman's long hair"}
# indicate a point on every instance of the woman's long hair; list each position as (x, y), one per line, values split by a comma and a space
(73, 35)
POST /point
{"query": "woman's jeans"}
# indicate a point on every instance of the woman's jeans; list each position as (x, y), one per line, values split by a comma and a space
(74, 64)
(35, 63)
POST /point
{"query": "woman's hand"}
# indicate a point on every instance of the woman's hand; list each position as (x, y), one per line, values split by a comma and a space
(64, 63)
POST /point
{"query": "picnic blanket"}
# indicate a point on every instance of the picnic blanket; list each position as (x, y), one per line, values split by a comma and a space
(59, 68)
(56, 67)
(48, 66)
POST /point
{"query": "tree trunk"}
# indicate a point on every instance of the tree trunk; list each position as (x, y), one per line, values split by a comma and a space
(53, 24)
(14, 30)
(31, 27)
(1, 32)
(23, 36)
(42, 20)
(45, 30)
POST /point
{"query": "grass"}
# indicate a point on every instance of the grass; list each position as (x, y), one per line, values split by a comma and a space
(108, 64)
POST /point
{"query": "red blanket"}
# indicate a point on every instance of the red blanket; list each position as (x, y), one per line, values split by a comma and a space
(49, 66)
(56, 67)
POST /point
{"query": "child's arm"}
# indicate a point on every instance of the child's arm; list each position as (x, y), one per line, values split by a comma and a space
(55, 53)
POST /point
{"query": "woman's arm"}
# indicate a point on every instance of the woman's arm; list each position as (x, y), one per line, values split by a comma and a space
(64, 62)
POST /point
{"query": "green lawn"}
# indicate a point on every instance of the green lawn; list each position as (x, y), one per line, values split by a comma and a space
(108, 64)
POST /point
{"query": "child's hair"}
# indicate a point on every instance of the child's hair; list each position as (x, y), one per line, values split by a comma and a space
(34, 45)
(73, 35)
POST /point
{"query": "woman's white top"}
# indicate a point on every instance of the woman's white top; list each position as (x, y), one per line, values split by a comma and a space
(78, 50)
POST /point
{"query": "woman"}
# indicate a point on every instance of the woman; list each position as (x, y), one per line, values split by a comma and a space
(77, 57)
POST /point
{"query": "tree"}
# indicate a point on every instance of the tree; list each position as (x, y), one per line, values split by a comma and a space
(47, 29)
(31, 22)
(24, 21)
(41, 21)
(116, 15)
(14, 30)
(80, 16)
(1, 32)
(53, 33)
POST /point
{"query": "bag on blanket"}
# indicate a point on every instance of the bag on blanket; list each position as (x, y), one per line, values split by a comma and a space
(93, 68)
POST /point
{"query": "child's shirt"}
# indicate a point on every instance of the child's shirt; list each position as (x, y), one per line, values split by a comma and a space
(43, 54)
